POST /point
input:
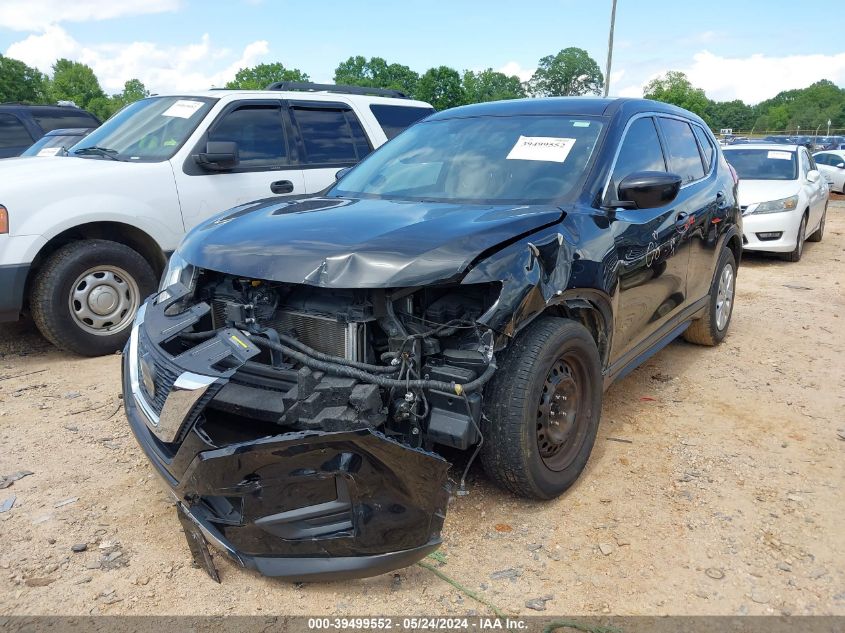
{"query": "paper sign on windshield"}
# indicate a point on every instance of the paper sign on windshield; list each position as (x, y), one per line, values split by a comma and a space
(49, 151)
(780, 155)
(183, 109)
(547, 148)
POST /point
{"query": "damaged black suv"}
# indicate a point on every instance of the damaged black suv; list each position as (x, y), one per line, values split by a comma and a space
(476, 283)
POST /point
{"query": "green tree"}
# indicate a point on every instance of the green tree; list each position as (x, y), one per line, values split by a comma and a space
(133, 90)
(489, 85)
(74, 81)
(810, 108)
(441, 87)
(260, 76)
(675, 88)
(730, 114)
(103, 107)
(571, 72)
(376, 73)
(19, 82)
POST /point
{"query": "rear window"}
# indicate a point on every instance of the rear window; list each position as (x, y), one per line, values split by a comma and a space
(12, 132)
(763, 164)
(331, 136)
(684, 158)
(55, 119)
(394, 119)
(706, 146)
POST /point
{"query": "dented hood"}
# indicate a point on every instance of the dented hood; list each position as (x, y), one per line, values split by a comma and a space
(357, 243)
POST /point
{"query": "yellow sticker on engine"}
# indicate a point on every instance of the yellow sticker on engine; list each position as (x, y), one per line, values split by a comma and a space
(239, 341)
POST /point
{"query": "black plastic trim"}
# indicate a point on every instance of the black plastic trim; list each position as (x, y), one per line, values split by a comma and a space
(12, 281)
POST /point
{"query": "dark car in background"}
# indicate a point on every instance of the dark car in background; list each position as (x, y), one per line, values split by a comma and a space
(828, 142)
(475, 284)
(57, 142)
(22, 124)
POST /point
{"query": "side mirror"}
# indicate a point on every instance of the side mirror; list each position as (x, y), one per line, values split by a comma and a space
(840, 165)
(341, 173)
(218, 156)
(649, 189)
(813, 175)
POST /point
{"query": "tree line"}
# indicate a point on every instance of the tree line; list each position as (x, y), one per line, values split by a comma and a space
(569, 72)
(803, 110)
(70, 81)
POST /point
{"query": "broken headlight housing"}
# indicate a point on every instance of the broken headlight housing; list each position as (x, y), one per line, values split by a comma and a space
(178, 271)
(776, 206)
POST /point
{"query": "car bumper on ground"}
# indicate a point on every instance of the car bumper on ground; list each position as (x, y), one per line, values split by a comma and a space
(760, 232)
(303, 506)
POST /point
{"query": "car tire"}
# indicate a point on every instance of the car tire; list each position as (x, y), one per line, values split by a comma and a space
(542, 409)
(795, 255)
(818, 234)
(712, 328)
(85, 295)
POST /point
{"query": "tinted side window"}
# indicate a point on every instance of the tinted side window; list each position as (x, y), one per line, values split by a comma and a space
(825, 159)
(684, 158)
(257, 129)
(50, 121)
(640, 151)
(394, 119)
(706, 146)
(331, 137)
(805, 162)
(13, 133)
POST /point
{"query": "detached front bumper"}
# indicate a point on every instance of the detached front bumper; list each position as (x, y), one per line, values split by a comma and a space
(299, 505)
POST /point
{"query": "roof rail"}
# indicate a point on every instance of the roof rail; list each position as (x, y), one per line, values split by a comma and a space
(307, 86)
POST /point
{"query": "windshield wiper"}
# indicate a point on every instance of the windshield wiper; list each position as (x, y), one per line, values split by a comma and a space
(97, 151)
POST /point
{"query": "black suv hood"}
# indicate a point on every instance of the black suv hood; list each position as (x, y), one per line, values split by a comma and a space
(357, 243)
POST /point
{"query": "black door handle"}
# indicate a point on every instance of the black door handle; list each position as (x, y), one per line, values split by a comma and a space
(281, 186)
(681, 219)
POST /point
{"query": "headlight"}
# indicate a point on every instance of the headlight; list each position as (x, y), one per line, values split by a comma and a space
(776, 206)
(178, 270)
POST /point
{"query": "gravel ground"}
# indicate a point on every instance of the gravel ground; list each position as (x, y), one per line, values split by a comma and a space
(715, 487)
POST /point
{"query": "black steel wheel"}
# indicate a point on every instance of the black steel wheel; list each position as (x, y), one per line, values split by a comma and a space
(542, 409)
(561, 421)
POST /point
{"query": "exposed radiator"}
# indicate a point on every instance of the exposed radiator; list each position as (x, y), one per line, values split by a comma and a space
(322, 333)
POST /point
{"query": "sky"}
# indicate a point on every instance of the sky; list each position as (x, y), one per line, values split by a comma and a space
(733, 49)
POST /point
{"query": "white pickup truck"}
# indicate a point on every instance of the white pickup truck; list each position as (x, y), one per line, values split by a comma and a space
(85, 237)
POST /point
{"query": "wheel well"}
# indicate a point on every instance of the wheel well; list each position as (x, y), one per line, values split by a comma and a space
(125, 234)
(735, 244)
(591, 317)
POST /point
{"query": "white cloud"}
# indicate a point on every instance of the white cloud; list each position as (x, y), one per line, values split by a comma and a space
(760, 77)
(513, 68)
(37, 15)
(168, 68)
(44, 49)
(751, 79)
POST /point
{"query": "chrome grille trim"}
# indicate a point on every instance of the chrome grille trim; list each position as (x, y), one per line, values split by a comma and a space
(166, 416)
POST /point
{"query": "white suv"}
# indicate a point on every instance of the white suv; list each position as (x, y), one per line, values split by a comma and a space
(84, 238)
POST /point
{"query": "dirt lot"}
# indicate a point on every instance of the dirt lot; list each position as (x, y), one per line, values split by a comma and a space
(716, 487)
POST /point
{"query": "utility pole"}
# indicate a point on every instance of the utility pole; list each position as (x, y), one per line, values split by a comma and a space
(828, 127)
(609, 49)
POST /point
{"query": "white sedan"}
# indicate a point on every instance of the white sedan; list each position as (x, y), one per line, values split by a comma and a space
(832, 166)
(782, 195)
